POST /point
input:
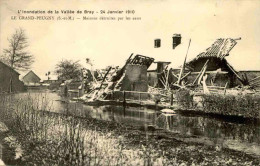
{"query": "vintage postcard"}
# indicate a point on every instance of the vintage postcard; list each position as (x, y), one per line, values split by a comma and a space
(159, 82)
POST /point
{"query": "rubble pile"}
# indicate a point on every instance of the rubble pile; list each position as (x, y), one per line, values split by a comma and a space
(112, 79)
(208, 73)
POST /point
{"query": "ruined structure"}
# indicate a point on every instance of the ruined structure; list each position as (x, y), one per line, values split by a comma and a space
(131, 78)
(219, 71)
(135, 78)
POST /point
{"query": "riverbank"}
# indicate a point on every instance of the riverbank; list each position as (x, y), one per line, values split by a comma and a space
(68, 138)
(154, 145)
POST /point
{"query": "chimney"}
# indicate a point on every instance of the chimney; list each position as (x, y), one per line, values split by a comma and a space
(176, 40)
(157, 43)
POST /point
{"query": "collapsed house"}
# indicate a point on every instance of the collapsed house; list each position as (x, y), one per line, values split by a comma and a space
(118, 83)
(213, 63)
(209, 68)
(134, 81)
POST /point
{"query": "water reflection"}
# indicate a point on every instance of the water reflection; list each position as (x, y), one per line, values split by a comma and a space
(213, 129)
(184, 125)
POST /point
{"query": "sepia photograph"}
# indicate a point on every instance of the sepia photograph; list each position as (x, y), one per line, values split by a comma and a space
(117, 82)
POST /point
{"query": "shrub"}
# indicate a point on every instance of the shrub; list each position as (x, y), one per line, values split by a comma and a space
(185, 98)
(49, 138)
(240, 105)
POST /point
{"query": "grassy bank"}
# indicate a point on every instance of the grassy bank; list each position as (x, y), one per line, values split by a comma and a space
(62, 139)
(247, 106)
(50, 139)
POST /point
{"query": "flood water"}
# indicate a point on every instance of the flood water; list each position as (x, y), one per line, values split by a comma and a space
(234, 134)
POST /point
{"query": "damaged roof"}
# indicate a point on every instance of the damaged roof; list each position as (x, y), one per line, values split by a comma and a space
(220, 48)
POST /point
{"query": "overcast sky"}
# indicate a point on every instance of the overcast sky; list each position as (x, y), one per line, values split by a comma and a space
(111, 42)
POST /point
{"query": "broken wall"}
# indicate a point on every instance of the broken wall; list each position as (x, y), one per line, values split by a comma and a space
(135, 78)
(152, 78)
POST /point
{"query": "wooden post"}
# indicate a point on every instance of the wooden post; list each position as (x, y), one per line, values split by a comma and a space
(1, 152)
(171, 98)
(124, 100)
(140, 98)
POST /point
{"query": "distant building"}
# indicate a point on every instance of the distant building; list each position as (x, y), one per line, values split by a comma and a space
(9, 79)
(51, 81)
(31, 78)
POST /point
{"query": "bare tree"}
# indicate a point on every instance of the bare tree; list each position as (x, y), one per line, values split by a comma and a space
(16, 55)
(68, 69)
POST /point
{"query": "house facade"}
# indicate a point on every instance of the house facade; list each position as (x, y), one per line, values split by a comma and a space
(31, 78)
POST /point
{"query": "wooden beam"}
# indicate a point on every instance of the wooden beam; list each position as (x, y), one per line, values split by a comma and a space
(254, 78)
(239, 78)
(225, 89)
(162, 83)
(183, 66)
(186, 75)
(105, 77)
(255, 82)
(174, 75)
(167, 79)
(200, 72)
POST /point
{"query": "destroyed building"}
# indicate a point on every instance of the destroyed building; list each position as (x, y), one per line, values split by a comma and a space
(124, 82)
(136, 81)
(219, 71)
